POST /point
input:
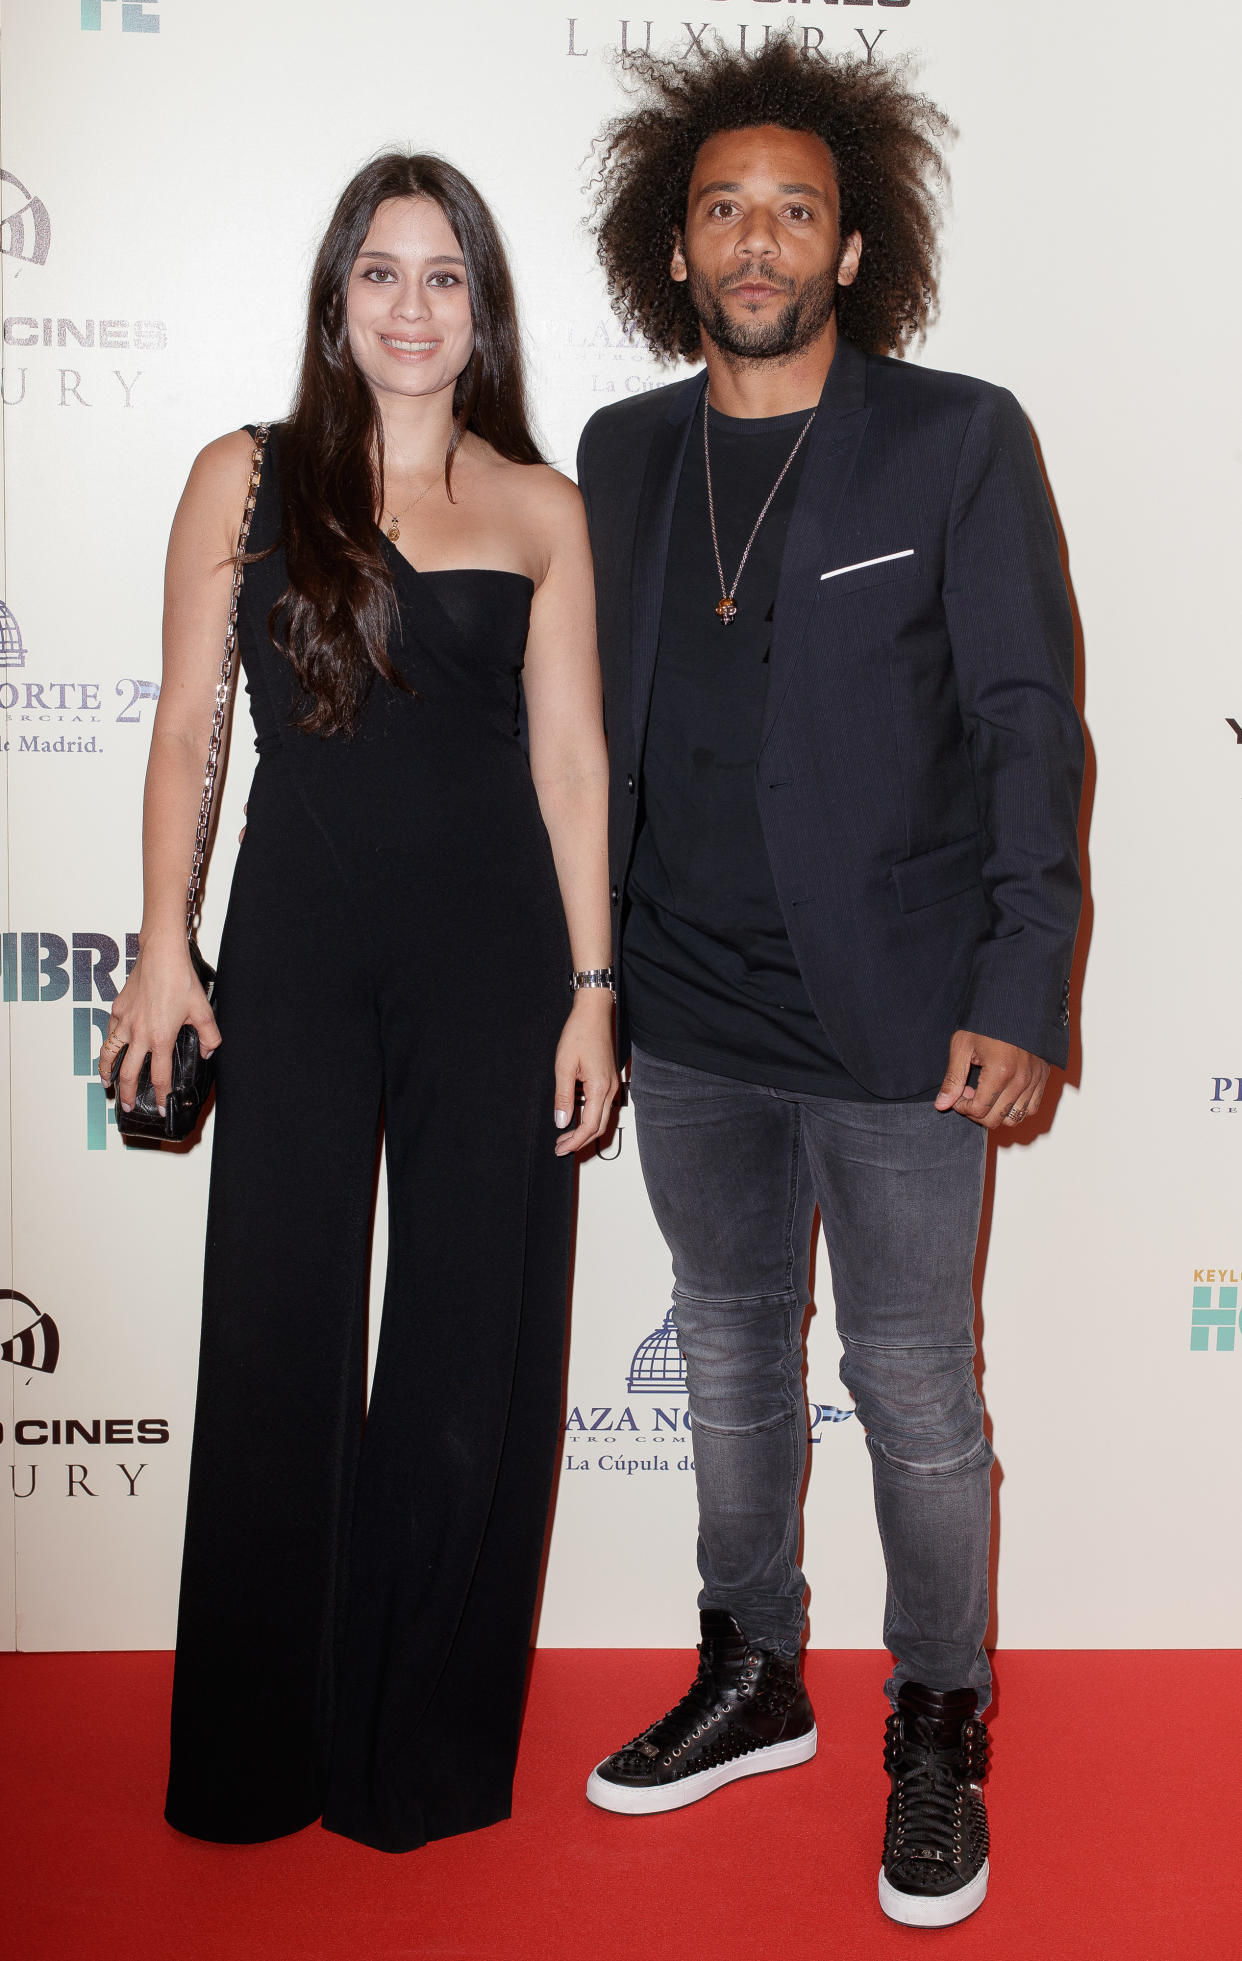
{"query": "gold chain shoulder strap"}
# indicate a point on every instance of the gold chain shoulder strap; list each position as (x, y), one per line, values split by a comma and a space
(224, 684)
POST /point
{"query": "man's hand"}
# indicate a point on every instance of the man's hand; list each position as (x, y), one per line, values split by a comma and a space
(1010, 1085)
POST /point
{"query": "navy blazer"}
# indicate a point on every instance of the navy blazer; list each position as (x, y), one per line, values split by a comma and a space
(920, 761)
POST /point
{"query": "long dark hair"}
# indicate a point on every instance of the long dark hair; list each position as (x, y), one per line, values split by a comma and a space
(334, 621)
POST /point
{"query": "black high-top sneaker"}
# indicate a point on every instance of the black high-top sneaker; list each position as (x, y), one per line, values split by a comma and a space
(935, 1869)
(745, 1711)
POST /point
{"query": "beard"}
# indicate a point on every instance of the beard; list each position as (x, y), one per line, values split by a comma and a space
(801, 320)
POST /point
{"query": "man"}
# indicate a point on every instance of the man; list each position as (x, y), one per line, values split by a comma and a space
(846, 763)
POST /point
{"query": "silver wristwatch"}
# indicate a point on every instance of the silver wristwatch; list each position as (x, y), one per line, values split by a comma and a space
(594, 977)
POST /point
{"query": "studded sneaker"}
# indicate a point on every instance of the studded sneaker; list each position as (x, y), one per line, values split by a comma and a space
(935, 1869)
(746, 1711)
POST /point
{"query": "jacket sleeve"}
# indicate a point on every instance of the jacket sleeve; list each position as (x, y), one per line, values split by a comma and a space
(1012, 637)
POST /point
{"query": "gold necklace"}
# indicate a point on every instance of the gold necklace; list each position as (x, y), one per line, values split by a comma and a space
(394, 525)
(726, 606)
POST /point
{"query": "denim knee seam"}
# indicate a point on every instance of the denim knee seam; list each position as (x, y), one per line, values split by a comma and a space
(704, 1428)
(977, 1457)
(910, 1347)
(784, 1296)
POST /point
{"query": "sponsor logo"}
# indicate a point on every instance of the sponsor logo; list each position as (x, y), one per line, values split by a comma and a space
(658, 1365)
(46, 969)
(25, 228)
(34, 1431)
(110, 388)
(683, 39)
(653, 1432)
(62, 330)
(1226, 1097)
(26, 235)
(12, 652)
(34, 1349)
(132, 16)
(619, 362)
(1214, 1310)
(34, 709)
(37, 1345)
(96, 1478)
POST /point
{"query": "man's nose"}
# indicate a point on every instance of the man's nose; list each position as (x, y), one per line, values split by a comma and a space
(757, 238)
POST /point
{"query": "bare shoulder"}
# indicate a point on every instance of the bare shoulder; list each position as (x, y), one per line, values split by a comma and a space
(551, 502)
(216, 487)
(223, 465)
(534, 514)
(550, 487)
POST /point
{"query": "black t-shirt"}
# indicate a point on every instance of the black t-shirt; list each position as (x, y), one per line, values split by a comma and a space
(710, 975)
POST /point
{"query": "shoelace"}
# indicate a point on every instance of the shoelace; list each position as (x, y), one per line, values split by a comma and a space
(929, 1794)
(698, 1700)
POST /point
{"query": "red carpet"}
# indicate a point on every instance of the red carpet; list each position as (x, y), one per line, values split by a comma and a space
(1113, 1803)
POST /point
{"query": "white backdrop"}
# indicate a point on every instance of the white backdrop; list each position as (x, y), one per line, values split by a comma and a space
(169, 168)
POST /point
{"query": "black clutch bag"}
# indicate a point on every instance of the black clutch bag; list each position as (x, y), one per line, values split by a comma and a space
(192, 1071)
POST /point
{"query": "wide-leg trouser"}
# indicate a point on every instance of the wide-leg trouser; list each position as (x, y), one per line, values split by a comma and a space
(734, 1172)
(357, 1597)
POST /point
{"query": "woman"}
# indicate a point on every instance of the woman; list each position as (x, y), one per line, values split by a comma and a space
(411, 901)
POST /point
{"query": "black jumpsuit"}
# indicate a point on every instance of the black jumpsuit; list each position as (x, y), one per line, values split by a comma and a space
(356, 1602)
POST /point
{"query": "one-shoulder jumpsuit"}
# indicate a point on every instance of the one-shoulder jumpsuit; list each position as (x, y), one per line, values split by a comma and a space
(357, 1592)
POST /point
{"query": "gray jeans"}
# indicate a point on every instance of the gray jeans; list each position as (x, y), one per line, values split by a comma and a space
(734, 1172)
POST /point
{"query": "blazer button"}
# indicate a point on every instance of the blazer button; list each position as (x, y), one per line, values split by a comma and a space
(615, 895)
(629, 784)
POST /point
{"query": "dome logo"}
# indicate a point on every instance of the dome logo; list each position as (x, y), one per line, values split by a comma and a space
(12, 652)
(37, 1345)
(658, 1367)
(25, 227)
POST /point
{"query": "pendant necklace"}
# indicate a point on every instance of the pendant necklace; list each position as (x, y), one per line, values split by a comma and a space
(393, 531)
(726, 606)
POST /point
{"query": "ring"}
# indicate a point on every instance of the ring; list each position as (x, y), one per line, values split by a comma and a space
(1014, 1114)
(111, 1042)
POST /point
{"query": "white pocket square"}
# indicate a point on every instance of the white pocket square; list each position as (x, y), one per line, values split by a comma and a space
(860, 564)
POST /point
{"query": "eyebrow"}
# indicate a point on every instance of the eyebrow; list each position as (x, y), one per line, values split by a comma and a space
(786, 190)
(437, 258)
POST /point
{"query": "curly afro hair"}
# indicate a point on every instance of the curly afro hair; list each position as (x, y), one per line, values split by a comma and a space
(886, 144)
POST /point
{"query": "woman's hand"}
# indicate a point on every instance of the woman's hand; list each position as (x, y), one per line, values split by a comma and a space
(162, 993)
(585, 1054)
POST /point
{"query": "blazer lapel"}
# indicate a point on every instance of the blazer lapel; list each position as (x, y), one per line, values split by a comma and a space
(832, 451)
(651, 536)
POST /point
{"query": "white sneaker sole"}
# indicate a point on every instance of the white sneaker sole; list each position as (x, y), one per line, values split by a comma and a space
(643, 1802)
(930, 1910)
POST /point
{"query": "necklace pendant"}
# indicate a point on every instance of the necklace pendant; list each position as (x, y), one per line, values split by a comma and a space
(726, 611)
(394, 531)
